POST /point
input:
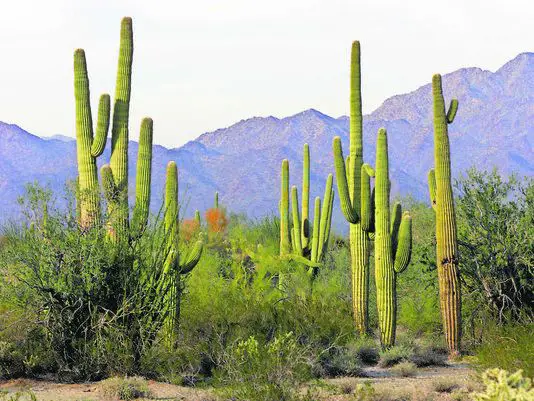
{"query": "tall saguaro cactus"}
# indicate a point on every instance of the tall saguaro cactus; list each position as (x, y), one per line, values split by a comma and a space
(393, 244)
(299, 242)
(88, 146)
(176, 266)
(355, 199)
(439, 181)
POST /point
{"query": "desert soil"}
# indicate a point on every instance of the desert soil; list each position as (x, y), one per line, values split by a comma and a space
(423, 386)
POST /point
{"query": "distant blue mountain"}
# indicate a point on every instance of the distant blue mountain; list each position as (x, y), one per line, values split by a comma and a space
(494, 127)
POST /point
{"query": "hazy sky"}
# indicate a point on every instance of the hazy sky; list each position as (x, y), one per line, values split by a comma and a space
(201, 65)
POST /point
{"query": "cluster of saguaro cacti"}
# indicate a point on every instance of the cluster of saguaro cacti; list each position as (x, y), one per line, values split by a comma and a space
(298, 241)
(393, 244)
(115, 175)
(355, 197)
(176, 265)
(441, 197)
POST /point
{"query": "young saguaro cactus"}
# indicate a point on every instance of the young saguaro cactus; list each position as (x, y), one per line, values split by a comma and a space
(441, 197)
(296, 241)
(393, 244)
(176, 266)
(355, 198)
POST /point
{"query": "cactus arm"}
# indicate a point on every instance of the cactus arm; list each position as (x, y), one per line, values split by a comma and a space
(301, 259)
(171, 216)
(143, 176)
(324, 216)
(316, 229)
(197, 218)
(432, 187)
(404, 247)
(342, 184)
(297, 244)
(285, 230)
(192, 258)
(365, 213)
(356, 127)
(216, 200)
(108, 184)
(347, 165)
(453, 108)
(305, 223)
(396, 217)
(102, 126)
(329, 221)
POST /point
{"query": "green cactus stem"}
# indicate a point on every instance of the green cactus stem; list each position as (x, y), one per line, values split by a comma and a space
(216, 200)
(354, 198)
(143, 177)
(392, 240)
(88, 148)
(285, 234)
(442, 200)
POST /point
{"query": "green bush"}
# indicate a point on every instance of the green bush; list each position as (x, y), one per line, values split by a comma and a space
(404, 369)
(125, 388)
(394, 355)
(501, 385)
(507, 347)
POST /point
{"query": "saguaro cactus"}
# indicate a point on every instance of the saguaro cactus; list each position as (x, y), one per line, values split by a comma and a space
(355, 199)
(393, 244)
(88, 147)
(176, 266)
(439, 182)
(296, 241)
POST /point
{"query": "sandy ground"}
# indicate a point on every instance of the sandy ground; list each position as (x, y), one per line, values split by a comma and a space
(426, 385)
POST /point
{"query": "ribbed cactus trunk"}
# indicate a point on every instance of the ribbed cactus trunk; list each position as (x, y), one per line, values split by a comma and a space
(350, 192)
(285, 244)
(143, 177)
(88, 148)
(384, 274)
(443, 204)
(119, 131)
(393, 244)
(305, 220)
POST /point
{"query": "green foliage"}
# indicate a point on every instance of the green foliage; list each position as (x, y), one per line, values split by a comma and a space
(125, 388)
(496, 220)
(502, 385)
(404, 369)
(508, 347)
(264, 371)
(394, 355)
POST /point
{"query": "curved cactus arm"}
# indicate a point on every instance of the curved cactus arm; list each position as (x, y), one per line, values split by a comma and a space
(192, 258)
(404, 247)
(365, 196)
(102, 126)
(347, 164)
(342, 184)
(305, 215)
(301, 259)
(297, 244)
(323, 227)
(285, 230)
(329, 221)
(316, 229)
(396, 217)
(143, 176)
(453, 108)
(432, 187)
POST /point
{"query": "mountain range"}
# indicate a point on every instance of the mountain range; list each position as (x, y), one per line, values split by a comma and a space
(494, 127)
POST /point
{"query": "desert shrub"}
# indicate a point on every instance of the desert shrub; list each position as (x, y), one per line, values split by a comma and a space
(216, 220)
(429, 356)
(508, 347)
(445, 385)
(190, 228)
(404, 369)
(366, 350)
(394, 355)
(18, 396)
(340, 361)
(125, 388)
(254, 370)
(501, 385)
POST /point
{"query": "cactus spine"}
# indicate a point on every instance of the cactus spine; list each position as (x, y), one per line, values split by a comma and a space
(443, 204)
(393, 242)
(354, 199)
(176, 266)
(295, 241)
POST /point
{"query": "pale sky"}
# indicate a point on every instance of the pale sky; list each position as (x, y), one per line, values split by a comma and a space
(200, 65)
